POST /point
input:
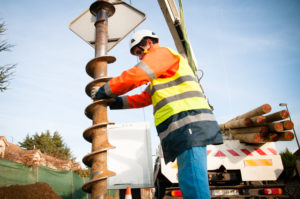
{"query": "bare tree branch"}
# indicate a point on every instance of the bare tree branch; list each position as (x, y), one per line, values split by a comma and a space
(6, 71)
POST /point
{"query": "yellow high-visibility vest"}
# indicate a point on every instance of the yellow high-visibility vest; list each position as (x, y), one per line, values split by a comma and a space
(176, 94)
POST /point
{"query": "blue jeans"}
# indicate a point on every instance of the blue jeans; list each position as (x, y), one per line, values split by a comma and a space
(192, 173)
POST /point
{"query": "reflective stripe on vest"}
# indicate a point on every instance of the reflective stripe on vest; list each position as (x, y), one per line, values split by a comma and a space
(175, 94)
(147, 70)
(173, 98)
(186, 120)
(173, 83)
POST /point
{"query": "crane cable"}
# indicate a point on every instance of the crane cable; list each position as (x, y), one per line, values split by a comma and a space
(187, 45)
(186, 40)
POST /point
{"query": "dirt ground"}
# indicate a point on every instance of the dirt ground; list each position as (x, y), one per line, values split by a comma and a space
(32, 191)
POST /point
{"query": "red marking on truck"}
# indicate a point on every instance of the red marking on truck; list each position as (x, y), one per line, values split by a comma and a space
(260, 152)
(247, 152)
(220, 154)
(273, 151)
(208, 152)
(232, 152)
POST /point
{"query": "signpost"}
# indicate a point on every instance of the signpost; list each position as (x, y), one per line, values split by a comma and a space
(125, 20)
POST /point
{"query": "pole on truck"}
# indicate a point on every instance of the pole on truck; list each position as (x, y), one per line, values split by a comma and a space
(285, 104)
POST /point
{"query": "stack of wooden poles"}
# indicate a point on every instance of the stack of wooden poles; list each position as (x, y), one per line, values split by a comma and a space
(256, 126)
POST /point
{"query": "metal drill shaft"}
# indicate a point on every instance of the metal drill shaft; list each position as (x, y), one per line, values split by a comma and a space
(97, 111)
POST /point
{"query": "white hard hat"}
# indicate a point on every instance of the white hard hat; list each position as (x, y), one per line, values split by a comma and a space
(137, 37)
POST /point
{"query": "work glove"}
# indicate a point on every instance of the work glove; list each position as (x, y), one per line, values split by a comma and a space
(98, 93)
(94, 92)
(117, 104)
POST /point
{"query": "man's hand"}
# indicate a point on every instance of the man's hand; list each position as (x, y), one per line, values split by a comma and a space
(99, 93)
(116, 104)
(94, 92)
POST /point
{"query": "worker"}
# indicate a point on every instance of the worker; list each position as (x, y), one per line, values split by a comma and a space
(184, 121)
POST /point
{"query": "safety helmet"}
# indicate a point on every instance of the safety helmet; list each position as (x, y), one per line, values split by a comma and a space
(138, 36)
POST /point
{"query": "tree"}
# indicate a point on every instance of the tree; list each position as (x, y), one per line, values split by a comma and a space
(50, 145)
(289, 163)
(85, 173)
(6, 71)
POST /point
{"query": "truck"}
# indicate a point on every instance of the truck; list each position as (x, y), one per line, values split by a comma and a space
(236, 168)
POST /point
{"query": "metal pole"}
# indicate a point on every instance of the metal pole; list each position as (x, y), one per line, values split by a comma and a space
(97, 111)
(285, 104)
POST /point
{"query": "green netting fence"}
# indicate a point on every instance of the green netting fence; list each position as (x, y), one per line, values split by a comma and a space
(66, 184)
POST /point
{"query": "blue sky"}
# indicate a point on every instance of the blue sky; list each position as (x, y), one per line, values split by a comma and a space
(249, 51)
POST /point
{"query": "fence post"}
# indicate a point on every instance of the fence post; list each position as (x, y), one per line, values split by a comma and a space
(37, 173)
(72, 183)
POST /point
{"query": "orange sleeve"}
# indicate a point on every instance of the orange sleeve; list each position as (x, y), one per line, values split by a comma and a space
(162, 62)
(128, 80)
(139, 100)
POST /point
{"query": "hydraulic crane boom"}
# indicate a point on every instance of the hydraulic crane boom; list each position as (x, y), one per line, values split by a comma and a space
(177, 30)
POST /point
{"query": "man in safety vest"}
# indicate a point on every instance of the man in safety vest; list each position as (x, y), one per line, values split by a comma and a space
(183, 118)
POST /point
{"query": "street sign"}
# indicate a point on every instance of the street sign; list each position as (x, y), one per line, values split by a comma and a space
(125, 19)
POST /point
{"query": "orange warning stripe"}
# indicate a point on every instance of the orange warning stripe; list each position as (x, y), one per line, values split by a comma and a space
(258, 162)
